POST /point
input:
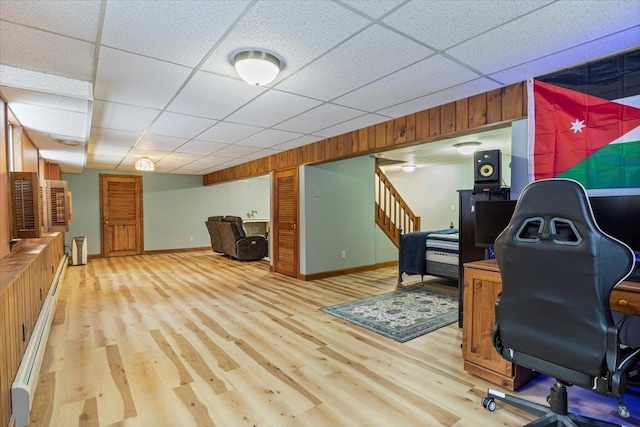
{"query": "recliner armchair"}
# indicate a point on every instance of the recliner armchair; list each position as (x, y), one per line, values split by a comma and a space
(553, 315)
(237, 244)
(229, 237)
(213, 227)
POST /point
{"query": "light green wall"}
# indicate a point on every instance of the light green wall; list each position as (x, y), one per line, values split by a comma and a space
(337, 214)
(175, 207)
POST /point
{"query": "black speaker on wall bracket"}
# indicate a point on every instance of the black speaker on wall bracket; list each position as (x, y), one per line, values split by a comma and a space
(486, 171)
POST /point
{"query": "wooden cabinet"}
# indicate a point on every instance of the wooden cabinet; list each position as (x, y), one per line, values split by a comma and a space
(482, 284)
(467, 238)
(27, 275)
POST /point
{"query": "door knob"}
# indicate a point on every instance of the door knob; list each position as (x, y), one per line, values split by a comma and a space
(106, 222)
(293, 226)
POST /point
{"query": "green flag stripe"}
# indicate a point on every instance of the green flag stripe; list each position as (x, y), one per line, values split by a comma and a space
(613, 166)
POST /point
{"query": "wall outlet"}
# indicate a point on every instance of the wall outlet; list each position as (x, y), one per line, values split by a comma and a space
(344, 254)
(191, 238)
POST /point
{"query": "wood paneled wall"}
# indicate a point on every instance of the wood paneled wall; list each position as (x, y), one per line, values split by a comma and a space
(27, 274)
(445, 121)
(5, 216)
(52, 171)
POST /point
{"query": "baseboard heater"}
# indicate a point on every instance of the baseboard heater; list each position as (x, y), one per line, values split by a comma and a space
(26, 381)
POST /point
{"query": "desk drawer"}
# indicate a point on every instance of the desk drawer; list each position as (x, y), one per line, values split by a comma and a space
(625, 301)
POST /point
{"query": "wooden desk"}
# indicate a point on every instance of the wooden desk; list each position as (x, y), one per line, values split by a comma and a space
(625, 298)
(482, 284)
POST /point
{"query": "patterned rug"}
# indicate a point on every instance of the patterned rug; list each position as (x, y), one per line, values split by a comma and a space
(400, 315)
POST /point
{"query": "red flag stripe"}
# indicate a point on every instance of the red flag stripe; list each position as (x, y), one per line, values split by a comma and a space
(570, 126)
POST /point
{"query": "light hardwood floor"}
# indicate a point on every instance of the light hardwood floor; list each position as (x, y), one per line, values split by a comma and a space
(195, 339)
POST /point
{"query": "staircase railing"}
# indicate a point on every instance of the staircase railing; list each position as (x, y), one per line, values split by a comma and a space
(393, 215)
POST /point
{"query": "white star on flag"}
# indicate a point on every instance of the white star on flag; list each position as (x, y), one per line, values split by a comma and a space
(577, 126)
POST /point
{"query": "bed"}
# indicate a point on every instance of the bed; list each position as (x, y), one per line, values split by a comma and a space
(433, 253)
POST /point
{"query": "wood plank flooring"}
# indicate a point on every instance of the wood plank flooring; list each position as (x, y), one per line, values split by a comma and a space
(195, 339)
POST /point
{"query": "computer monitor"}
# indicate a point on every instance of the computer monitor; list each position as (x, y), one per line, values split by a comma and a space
(619, 217)
(491, 217)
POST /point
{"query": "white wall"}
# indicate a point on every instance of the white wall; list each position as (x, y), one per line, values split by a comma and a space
(175, 207)
(431, 191)
(337, 214)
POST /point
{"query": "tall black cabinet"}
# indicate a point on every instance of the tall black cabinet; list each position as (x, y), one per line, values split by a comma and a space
(467, 237)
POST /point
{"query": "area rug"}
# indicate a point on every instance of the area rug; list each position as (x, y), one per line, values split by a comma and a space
(400, 315)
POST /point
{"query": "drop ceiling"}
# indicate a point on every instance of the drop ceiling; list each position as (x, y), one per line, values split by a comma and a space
(98, 84)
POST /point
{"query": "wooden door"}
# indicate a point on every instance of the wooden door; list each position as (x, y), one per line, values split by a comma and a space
(121, 215)
(285, 222)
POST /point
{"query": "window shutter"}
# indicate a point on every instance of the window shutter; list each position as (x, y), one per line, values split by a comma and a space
(26, 205)
(57, 206)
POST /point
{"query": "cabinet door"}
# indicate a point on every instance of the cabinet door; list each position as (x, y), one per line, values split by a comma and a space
(481, 289)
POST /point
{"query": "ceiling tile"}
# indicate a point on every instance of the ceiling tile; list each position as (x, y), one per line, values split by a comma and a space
(232, 162)
(366, 57)
(269, 137)
(319, 118)
(374, 9)
(36, 50)
(103, 136)
(180, 125)
(41, 99)
(559, 26)
(425, 20)
(188, 30)
(102, 150)
(357, 123)
(602, 47)
(122, 117)
(168, 164)
(358, 55)
(189, 169)
(56, 142)
(69, 161)
(101, 163)
(181, 157)
(210, 161)
(78, 19)
(298, 142)
(157, 142)
(51, 120)
(136, 80)
(299, 32)
(228, 132)
(442, 97)
(196, 146)
(260, 154)
(137, 153)
(235, 150)
(431, 75)
(272, 107)
(45, 82)
(215, 97)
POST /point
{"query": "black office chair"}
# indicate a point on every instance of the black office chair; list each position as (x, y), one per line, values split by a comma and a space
(553, 316)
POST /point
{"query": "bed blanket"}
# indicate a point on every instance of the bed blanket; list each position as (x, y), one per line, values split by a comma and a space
(412, 250)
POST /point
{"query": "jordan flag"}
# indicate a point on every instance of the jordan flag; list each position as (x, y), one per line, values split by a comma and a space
(586, 124)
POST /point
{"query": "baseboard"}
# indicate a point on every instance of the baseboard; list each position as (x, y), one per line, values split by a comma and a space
(333, 273)
(169, 251)
(161, 251)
